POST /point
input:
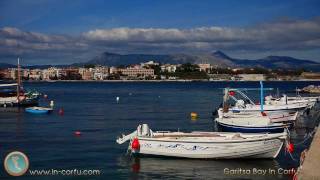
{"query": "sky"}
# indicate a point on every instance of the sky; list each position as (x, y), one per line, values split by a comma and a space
(69, 31)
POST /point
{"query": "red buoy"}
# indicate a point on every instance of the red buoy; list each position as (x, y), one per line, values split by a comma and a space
(290, 148)
(135, 145)
(77, 133)
(61, 112)
(45, 96)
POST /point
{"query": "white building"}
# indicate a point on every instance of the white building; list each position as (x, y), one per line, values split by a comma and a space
(168, 68)
(135, 72)
(149, 63)
(204, 67)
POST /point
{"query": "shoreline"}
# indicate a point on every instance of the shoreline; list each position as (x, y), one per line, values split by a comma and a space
(181, 80)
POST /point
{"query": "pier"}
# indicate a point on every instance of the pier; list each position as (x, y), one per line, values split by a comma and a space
(310, 167)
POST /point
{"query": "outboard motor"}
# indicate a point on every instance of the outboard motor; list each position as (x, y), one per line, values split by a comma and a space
(144, 130)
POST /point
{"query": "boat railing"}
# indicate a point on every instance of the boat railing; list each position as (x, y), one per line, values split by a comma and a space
(163, 131)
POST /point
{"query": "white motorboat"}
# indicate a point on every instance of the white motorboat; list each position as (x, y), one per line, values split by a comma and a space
(14, 95)
(245, 104)
(285, 100)
(217, 145)
(10, 98)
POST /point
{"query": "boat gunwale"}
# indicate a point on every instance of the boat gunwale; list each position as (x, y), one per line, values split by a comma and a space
(280, 136)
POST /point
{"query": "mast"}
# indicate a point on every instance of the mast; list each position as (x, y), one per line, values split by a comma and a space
(18, 81)
(261, 96)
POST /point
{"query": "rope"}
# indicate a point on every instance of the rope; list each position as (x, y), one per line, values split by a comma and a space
(292, 157)
(307, 137)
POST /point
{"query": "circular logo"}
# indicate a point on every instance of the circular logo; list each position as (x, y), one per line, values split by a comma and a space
(16, 163)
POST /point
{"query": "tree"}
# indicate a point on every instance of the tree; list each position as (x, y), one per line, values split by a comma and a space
(87, 66)
(156, 68)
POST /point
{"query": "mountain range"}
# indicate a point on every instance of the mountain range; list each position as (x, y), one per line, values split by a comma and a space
(217, 58)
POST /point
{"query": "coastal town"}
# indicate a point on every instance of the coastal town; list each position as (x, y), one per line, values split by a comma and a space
(152, 70)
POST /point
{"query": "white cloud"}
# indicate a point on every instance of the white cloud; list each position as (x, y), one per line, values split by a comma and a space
(285, 35)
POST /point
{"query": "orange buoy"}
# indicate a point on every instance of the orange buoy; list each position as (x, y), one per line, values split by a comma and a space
(77, 133)
(135, 145)
(193, 115)
(61, 112)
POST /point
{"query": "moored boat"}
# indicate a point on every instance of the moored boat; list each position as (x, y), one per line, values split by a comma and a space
(273, 116)
(262, 124)
(38, 110)
(13, 95)
(216, 145)
(10, 98)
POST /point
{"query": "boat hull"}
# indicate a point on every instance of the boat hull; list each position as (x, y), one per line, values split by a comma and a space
(245, 129)
(12, 102)
(256, 149)
(34, 110)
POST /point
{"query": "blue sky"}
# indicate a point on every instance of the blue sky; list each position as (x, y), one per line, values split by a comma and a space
(77, 22)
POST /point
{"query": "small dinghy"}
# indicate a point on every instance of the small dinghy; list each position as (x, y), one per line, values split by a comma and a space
(216, 145)
(39, 110)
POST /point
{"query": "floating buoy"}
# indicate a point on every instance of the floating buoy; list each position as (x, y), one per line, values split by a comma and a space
(290, 147)
(135, 145)
(77, 133)
(130, 94)
(193, 115)
(51, 104)
(45, 96)
(117, 98)
(61, 112)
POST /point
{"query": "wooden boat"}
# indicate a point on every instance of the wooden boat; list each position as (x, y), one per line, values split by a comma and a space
(38, 110)
(216, 145)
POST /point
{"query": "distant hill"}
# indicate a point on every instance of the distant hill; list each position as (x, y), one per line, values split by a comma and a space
(216, 58)
(6, 65)
(274, 62)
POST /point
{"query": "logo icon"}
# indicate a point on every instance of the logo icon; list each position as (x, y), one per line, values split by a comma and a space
(16, 163)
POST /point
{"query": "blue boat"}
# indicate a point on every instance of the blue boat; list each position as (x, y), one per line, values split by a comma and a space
(255, 129)
(39, 110)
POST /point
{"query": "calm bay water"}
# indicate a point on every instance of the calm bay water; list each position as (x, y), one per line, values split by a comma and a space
(91, 107)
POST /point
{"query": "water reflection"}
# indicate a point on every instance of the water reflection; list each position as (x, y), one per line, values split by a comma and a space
(173, 168)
